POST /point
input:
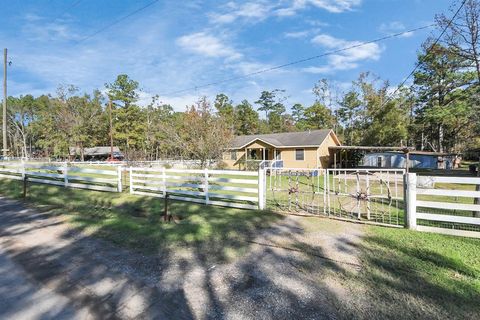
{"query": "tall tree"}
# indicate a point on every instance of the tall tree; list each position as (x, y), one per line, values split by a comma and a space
(318, 116)
(22, 113)
(439, 81)
(225, 109)
(463, 33)
(203, 135)
(349, 114)
(247, 121)
(129, 129)
(124, 90)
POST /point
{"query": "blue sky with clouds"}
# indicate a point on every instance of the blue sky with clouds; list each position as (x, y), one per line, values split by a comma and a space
(174, 45)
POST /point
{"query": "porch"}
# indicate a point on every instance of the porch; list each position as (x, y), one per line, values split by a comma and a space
(261, 157)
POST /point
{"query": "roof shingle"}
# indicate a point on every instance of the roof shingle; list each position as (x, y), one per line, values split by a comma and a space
(286, 139)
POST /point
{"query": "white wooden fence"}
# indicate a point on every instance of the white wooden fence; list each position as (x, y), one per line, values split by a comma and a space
(237, 189)
(65, 176)
(448, 217)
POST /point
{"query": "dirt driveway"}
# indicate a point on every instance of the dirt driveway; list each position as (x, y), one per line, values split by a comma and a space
(290, 271)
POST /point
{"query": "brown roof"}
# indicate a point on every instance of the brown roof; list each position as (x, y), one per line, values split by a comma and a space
(312, 138)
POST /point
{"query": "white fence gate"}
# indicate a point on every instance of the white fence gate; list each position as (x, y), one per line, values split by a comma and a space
(237, 189)
(296, 190)
(368, 195)
(443, 205)
(65, 176)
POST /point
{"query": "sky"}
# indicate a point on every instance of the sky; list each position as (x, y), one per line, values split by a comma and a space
(173, 48)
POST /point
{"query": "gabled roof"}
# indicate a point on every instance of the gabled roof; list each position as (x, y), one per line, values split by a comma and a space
(313, 138)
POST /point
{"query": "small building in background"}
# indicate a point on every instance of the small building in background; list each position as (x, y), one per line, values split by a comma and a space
(96, 154)
(417, 160)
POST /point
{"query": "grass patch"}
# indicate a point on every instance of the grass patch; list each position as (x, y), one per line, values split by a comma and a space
(136, 221)
(424, 275)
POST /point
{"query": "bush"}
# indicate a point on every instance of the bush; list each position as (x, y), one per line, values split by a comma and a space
(221, 165)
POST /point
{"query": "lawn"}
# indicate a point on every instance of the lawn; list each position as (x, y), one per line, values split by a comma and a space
(136, 221)
(420, 275)
(404, 274)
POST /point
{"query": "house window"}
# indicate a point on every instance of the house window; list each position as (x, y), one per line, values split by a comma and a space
(379, 162)
(299, 154)
(233, 155)
(278, 155)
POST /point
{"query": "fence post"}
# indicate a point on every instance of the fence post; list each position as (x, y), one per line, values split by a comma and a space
(261, 189)
(164, 181)
(119, 176)
(410, 198)
(23, 170)
(130, 179)
(207, 198)
(65, 175)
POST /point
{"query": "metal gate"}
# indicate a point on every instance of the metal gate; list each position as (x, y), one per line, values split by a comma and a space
(296, 190)
(368, 195)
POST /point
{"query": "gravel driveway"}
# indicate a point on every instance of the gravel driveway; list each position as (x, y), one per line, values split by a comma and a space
(292, 270)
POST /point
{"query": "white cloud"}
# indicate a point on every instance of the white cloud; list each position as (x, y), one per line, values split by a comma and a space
(261, 10)
(256, 11)
(297, 34)
(37, 28)
(345, 60)
(394, 27)
(333, 6)
(207, 45)
(180, 103)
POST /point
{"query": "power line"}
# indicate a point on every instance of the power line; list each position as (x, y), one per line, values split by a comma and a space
(427, 52)
(73, 5)
(358, 45)
(117, 21)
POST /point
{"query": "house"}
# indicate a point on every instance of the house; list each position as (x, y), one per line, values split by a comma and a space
(308, 149)
(417, 160)
(95, 153)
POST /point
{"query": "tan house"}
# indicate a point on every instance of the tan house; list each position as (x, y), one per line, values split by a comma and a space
(288, 150)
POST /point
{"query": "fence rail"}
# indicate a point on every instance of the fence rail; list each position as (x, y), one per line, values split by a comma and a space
(65, 176)
(443, 208)
(237, 189)
(448, 205)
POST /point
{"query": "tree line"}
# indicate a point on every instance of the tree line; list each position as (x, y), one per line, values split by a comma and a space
(439, 111)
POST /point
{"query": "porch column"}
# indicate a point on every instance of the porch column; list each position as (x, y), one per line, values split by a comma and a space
(263, 150)
(246, 157)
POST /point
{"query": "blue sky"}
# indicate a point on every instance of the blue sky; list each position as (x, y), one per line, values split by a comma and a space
(174, 45)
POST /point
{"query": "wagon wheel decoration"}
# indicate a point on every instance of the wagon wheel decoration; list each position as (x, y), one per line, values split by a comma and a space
(362, 198)
(293, 192)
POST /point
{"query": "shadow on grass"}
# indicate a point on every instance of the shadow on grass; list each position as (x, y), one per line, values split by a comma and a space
(414, 275)
(176, 271)
(185, 270)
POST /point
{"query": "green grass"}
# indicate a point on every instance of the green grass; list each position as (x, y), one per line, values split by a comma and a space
(429, 273)
(136, 221)
(404, 273)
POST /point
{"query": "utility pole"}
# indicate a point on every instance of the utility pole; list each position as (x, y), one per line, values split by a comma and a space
(4, 122)
(111, 129)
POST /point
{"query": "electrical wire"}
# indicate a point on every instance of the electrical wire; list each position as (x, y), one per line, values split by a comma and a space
(427, 52)
(358, 45)
(108, 26)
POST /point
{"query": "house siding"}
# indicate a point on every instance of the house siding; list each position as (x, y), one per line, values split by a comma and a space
(314, 157)
(324, 154)
(289, 161)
